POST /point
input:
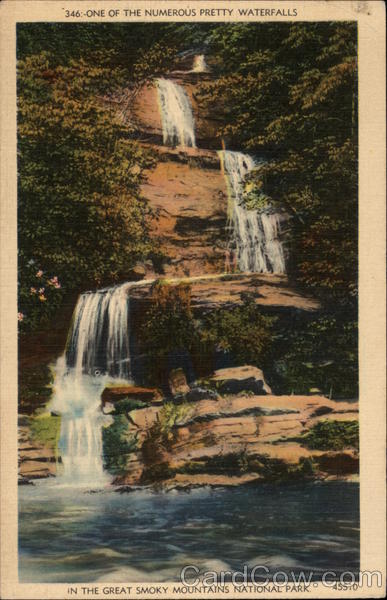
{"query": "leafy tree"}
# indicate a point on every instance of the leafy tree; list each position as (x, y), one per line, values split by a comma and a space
(316, 353)
(81, 216)
(243, 331)
(168, 324)
(288, 93)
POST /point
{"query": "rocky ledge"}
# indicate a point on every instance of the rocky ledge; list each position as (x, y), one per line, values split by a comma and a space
(225, 431)
(37, 457)
(207, 436)
(212, 291)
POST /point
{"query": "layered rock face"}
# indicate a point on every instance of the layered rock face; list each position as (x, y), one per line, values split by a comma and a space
(214, 291)
(237, 438)
(37, 460)
(190, 201)
(186, 189)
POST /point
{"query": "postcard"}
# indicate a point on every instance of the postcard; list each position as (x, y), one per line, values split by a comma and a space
(193, 299)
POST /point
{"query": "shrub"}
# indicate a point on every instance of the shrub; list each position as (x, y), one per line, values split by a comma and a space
(34, 386)
(167, 326)
(316, 353)
(243, 331)
(169, 416)
(118, 443)
(332, 435)
(168, 323)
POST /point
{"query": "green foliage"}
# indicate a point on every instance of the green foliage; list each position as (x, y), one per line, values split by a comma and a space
(126, 405)
(170, 415)
(45, 429)
(118, 443)
(167, 325)
(332, 435)
(288, 91)
(277, 470)
(240, 463)
(316, 353)
(34, 386)
(243, 331)
(114, 45)
(40, 295)
(80, 213)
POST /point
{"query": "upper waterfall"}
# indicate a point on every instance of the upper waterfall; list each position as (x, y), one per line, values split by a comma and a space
(255, 233)
(199, 64)
(176, 114)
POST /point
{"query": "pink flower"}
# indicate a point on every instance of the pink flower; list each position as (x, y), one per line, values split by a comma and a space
(20, 316)
(41, 290)
(57, 285)
(39, 273)
(33, 290)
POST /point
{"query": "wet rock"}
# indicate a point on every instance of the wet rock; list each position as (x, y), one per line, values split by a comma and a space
(213, 291)
(24, 481)
(200, 393)
(178, 382)
(339, 463)
(137, 272)
(36, 460)
(240, 379)
(113, 394)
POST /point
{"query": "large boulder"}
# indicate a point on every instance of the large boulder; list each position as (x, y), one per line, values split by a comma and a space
(240, 379)
(112, 394)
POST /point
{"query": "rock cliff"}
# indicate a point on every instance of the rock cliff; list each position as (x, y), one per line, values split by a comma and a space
(240, 438)
(188, 195)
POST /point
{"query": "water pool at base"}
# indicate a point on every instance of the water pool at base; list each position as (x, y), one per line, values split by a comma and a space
(74, 535)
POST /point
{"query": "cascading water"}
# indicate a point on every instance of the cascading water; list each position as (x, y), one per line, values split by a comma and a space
(199, 64)
(97, 352)
(176, 114)
(255, 233)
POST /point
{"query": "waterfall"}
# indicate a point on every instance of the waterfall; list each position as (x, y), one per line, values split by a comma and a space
(99, 339)
(255, 233)
(199, 64)
(176, 114)
(97, 353)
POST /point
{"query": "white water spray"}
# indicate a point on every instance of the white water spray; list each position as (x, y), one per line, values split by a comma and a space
(97, 353)
(176, 114)
(255, 233)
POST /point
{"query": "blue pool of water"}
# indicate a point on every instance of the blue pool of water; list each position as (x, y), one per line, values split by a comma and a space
(71, 535)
